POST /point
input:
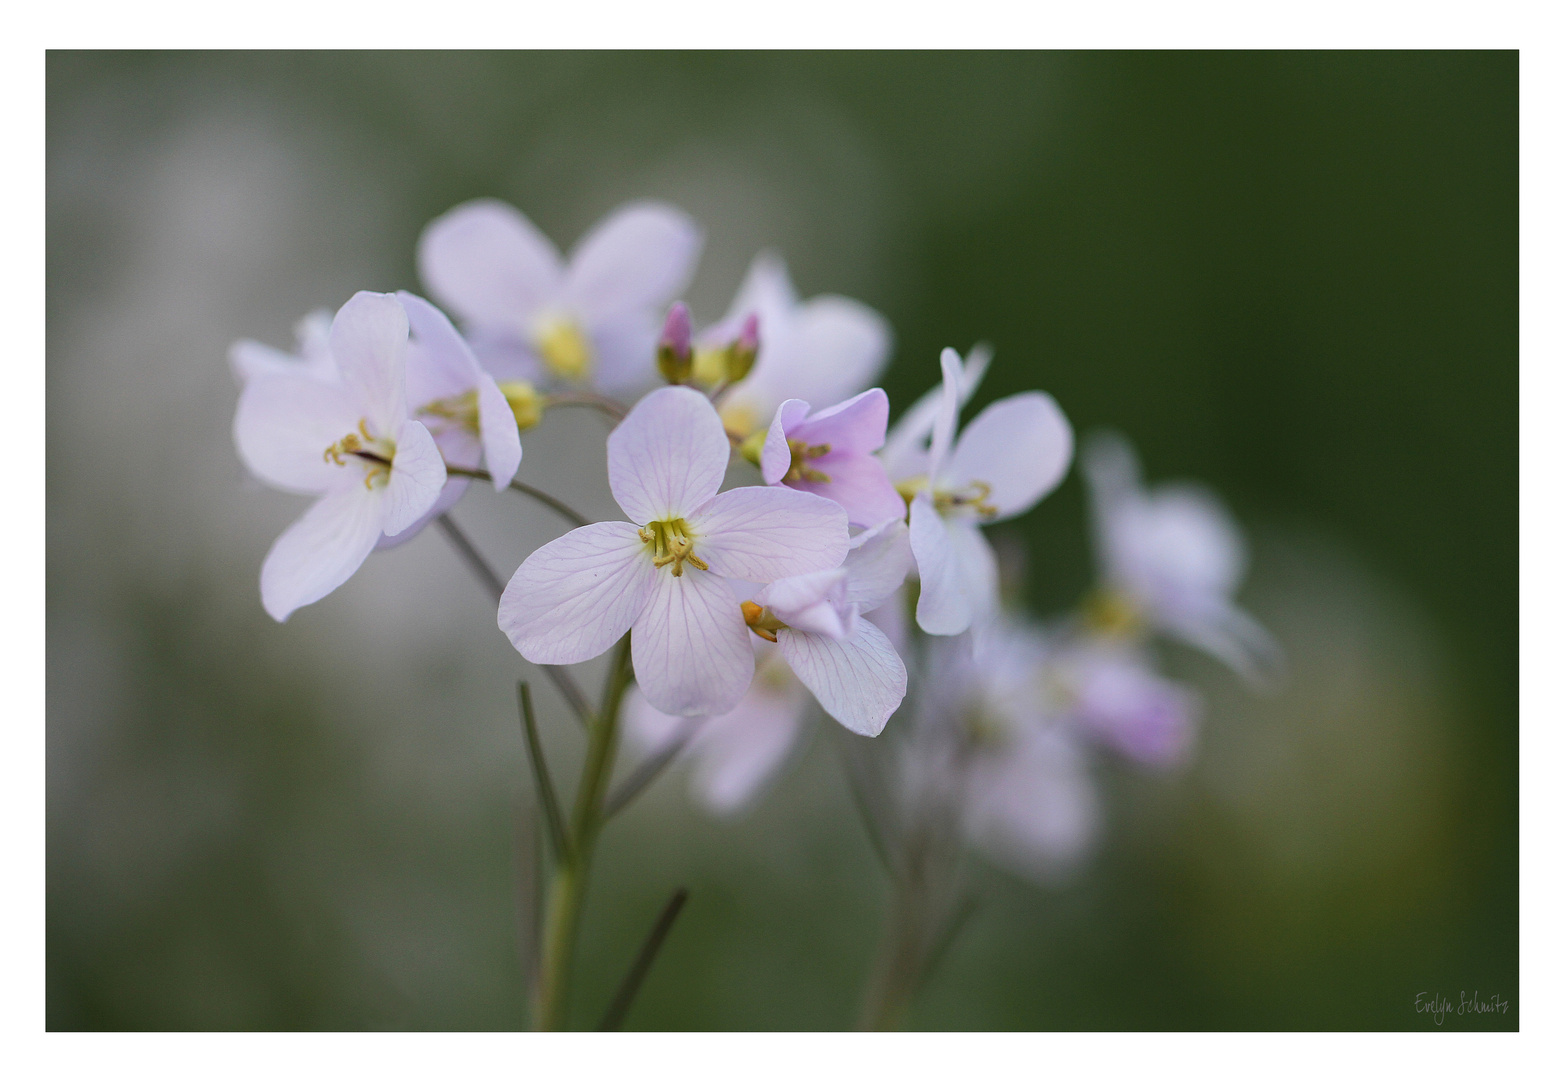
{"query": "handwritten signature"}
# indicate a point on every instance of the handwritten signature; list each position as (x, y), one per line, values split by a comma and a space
(1440, 1007)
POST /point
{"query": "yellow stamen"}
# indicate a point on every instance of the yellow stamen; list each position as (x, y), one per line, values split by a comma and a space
(525, 402)
(376, 454)
(672, 544)
(1110, 613)
(564, 347)
(801, 456)
(461, 410)
(974, 495)
(740, 420)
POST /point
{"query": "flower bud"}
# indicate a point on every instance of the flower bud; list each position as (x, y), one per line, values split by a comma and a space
(673, 352)
(525, 402)
(741, 353)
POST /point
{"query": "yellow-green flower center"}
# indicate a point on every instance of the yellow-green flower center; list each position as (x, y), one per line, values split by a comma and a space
(1110, 613)
(672, 544)
(949, 501)
(375, 454)
(461, 410)
(564, 347)
(761, 620)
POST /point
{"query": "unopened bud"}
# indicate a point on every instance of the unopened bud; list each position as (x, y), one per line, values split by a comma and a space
(525, 402)
(673, 353)
(741, 353)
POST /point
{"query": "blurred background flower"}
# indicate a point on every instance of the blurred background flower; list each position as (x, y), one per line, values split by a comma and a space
(1292, 277)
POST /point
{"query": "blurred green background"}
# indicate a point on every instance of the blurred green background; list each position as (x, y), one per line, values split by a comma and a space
(1294, 276)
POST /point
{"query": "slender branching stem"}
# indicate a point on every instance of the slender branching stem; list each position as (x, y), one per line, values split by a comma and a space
(648, 770)
(561, 920)
(496, 588)
(557, 506)
(545, 785)
(605, 405)
(613, 1019)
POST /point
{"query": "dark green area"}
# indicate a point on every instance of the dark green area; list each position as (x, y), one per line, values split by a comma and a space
(1294, 276)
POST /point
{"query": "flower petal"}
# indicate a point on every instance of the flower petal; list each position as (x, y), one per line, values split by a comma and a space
(417, 477)
(321, 550)
(906, 447)
(285, 423)
(690, 645)
(859, 485)
(761, 534)
(1020, 446)
(576, 596)
(668, 456)
(625, 349)
(486, 262)
(859, 680)
(641, 256)
(877, 565)
(945, 419)
(369, 343)
(815, 603)
(776, 457)
(856, 424)
(1033, 807)
(958, 571)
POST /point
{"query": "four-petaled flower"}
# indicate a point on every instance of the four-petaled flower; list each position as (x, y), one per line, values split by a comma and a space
(831, 453)
(1170, 559)
(1008, 458)
(530, 315)
(349, 440)
(666, 575)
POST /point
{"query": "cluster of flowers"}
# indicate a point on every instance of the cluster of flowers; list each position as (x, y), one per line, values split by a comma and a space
(849, 547)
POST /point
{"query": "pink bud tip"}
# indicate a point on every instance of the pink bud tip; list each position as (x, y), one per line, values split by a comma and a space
(749, 336)
(676, 331)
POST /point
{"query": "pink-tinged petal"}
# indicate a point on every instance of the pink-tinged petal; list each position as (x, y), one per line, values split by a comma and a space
(813, 603)
(321, 550)
(284, 425)
(776, 457)
(501, 437)
(840, 347)
(486, 262)
(690, 645)
(1032, 807)
(1021, 446)
(369, 342)
(949, 412)
(250, 359)
(576, 596)
(766, 291)
(906, 447)
(857, 425)
(625, 349)
(641, 256)
(417, 477)
(877, 565)
(762, 534)
(505, 357)
(859, 485)
(668, 456)
(860, 680)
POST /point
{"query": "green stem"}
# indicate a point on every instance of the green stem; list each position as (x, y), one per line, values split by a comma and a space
(567, 892)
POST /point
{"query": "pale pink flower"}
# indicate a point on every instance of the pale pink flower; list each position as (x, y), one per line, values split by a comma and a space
(250, 359)
(831, 453)
(530, 315)
(348, 440)
(667, 574)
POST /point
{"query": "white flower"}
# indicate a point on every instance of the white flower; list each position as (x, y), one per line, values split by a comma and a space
(820, 642)
(449, 393)
(1007, 459)
(348, 440)
(822, 350)
(1172, 557)
(528, 313)
(1113, 693)
(666, 572)
(250, 359)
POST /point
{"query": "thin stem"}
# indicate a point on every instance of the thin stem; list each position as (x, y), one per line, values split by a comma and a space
(568, 890)
(496, 588)
(607, 406)
(647, 771)
(545, 785)
(620, 1007)
(561, 508)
